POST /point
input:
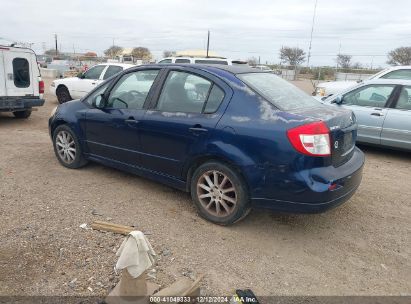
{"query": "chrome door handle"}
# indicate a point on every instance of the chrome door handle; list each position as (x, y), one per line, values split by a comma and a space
(197, 130)
(376, 114)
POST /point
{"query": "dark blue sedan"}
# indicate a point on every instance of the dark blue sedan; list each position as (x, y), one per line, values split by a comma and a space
(235, 137)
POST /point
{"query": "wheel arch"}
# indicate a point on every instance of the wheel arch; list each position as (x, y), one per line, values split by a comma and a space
(196, 162)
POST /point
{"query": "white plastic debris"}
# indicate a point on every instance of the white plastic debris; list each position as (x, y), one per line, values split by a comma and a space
(136, 254)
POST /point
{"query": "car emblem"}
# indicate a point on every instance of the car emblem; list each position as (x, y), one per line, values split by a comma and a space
(336, 144)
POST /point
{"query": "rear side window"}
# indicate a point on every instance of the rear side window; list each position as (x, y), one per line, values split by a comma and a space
(399, 74)
(214, 100)
(21, 72)
(200, 61)
(112, 70)
(278, 91)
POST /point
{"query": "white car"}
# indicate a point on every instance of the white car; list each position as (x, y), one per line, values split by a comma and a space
(327, 89)
(70, 88)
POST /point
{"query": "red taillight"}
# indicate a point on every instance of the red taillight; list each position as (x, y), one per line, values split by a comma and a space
(311, 139)
(41, 87)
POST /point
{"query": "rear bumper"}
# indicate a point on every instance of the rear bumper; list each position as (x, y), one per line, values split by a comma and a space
(325, 188)
(19, 104)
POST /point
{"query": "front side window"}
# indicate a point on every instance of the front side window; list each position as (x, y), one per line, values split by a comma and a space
(399, 74)
(182, 60)
(278, 91)
(369, 96)
(404, 100)
(112, 70)
(21, 72)
(131, 91)
(183, 92)
(94, 72)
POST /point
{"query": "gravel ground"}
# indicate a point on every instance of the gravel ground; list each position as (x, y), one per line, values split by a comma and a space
(361, 248)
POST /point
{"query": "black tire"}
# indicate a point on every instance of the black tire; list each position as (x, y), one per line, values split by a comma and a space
(63, 95)
(78, 161)
(229, 212)
(22, 114)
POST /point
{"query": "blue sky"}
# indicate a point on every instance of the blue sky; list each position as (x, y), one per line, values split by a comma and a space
(366, 29)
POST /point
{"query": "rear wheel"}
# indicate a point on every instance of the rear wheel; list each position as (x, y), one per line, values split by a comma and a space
(63, 95)
(219, 193)
(67, 148)
(22, 114)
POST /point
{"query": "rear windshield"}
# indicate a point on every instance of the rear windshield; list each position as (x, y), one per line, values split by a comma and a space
(278, 91)
(21, 72)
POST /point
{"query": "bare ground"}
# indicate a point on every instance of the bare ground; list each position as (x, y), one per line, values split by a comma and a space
(361, 248)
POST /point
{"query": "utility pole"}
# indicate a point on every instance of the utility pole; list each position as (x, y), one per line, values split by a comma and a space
(311, 36)
(55, 40)
(208, 42)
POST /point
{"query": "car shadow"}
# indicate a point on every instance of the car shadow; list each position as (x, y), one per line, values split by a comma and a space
(384, 151)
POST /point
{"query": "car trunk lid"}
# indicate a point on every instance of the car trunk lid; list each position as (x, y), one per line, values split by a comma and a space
(343, 129)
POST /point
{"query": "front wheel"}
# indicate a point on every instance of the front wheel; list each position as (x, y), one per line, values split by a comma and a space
(67, 148)
(219, 193)
(63, 94)
(22, 114)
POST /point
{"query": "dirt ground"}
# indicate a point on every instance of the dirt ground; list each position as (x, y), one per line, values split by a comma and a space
(361, 248)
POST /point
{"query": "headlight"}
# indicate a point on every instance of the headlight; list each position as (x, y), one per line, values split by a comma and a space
(53, 84)
(320, 91)
(53, 111)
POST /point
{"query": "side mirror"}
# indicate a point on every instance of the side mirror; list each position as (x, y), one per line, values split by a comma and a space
(80, 75)
(339, 100)
(99, 101)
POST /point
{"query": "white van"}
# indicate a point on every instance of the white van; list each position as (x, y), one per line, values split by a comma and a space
(21, 87)
(202, 60)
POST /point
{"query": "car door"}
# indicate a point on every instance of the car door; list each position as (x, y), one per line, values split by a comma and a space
(112, 131)
(87, 82)
(369, 105)
(396, 131)
(184, 115)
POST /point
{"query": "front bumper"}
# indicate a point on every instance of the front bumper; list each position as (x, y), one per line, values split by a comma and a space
(324, 188)
(19, 104)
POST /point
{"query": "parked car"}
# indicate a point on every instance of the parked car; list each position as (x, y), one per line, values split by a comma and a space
(70, 88)
(383, 111)
(330, 88)
(235, 137)
(21, 87)
(202, 60)
(263, 68)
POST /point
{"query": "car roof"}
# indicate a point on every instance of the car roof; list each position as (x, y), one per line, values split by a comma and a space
(124, 65)
(233, 69)
(388, 81)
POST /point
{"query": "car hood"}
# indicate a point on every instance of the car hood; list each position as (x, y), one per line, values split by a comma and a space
(337, 84)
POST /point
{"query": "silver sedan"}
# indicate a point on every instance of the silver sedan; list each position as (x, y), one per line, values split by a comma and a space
(383, 111)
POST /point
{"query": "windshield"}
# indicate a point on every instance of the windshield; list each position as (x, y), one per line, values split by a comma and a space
(278, 91)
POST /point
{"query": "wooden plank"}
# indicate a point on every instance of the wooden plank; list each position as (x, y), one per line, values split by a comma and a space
(110, 227)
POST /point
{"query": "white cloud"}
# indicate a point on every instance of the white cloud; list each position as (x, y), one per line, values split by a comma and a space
(239, 29)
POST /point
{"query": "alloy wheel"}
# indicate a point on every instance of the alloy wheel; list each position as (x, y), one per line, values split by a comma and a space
(66, 147)
(217, 193)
